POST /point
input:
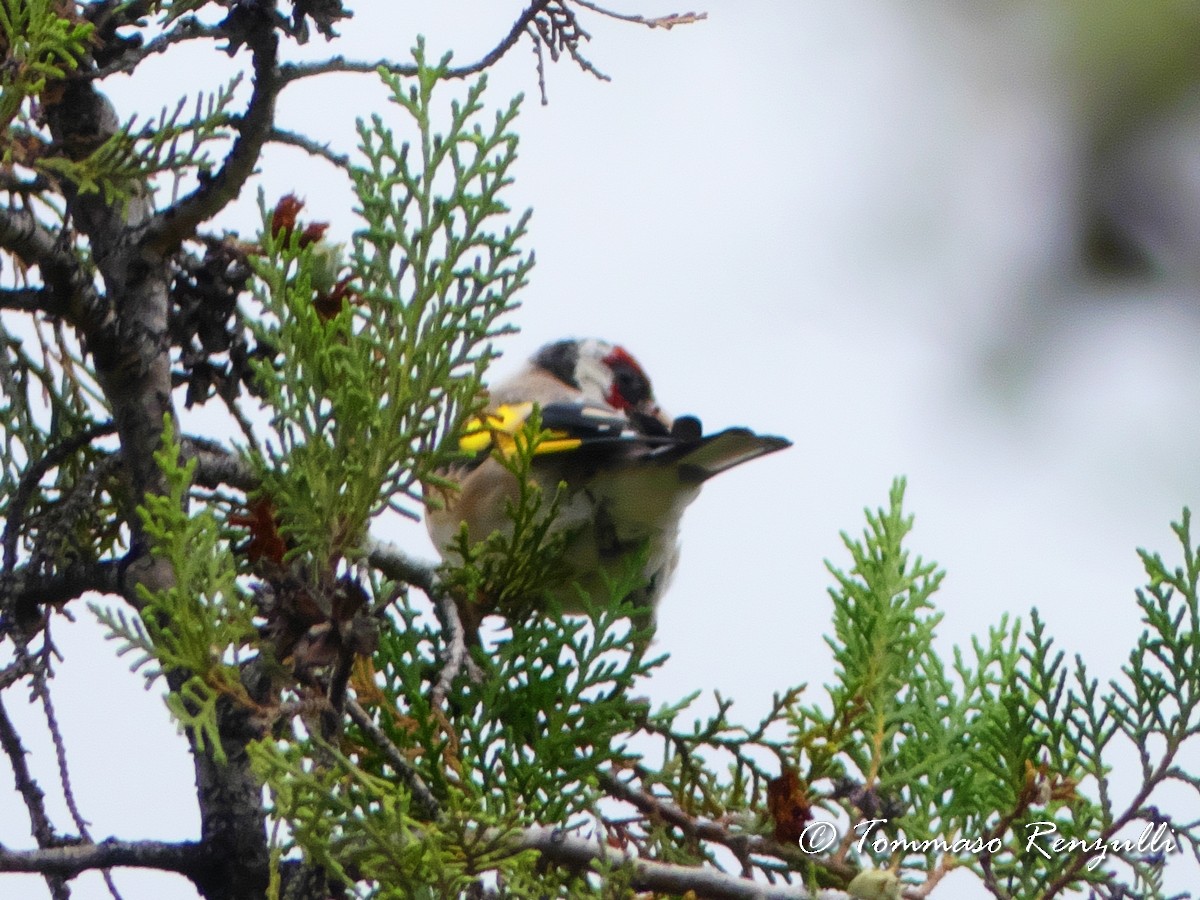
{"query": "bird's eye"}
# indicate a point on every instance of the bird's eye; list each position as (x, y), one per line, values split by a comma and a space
(629, 387)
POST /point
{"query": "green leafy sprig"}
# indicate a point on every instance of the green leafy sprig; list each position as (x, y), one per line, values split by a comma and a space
(197, 626)
(370, 381)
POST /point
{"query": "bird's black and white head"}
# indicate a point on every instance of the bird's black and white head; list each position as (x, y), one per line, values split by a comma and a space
(604, 373)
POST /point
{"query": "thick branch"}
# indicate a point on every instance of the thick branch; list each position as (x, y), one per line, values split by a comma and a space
(132, 364)
(30, 300)
(399, 566)
(216, 466)
(576, 852)
(26, 186)
(24, 236)
(177, 223)
(28, 591)
(69, 291)
(185, 858)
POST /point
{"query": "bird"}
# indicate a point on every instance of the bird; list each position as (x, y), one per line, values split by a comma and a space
(629, 471)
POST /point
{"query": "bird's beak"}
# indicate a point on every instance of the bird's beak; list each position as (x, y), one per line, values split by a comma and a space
(656, 412)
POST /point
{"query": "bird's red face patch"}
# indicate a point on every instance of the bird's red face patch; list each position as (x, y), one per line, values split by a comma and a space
(630, 387)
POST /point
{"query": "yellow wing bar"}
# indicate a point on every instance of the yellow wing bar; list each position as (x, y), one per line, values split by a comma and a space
(499, 429)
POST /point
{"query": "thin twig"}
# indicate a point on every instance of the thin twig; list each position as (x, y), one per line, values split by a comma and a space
(308, 145)
(295, 71)
(664, 22)
(424, 798)
(541, 65)
(34, 797)
(457, 656)
(41, 690)
(51, 459)
(742, 845)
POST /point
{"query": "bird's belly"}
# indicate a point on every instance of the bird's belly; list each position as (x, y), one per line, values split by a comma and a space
(611, 531)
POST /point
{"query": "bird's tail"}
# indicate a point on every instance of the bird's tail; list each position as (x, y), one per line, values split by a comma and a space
(724, 450)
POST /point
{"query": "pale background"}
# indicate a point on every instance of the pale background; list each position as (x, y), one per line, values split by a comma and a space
(853, 224)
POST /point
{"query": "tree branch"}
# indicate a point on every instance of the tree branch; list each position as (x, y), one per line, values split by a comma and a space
(30, 300)
(173, 225)
(40, 825)
(69, 290)
(296, 71)
(25, 237)
(665, 22)
(186, 858)
(187, 29)
(740, 844)
(308, 145)
(569, 850)
(15, 184)
(399, 566)
(424, 798)
(217, 466)
(28, 591)
(10, 742)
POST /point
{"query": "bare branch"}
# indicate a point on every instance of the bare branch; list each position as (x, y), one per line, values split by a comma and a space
(290, 72)
(742, 845)
(294, 72)
(457, 658)
(510, 41)
(25, 237)
(173, 225)
(565, 849)
(217, 466)
(187, 29)
(30, 300)
(23, 665)
(40, 824)
(28, 591)
(399, 566)
(17, 185)
(41, 689)
(428, 804)
(665, 22)
(73, 294)
(185, 858)
(308, 145)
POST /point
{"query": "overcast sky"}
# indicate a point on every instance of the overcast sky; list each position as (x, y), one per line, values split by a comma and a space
(850, 224)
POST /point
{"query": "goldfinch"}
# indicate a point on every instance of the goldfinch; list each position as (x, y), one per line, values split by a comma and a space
(629, 469)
